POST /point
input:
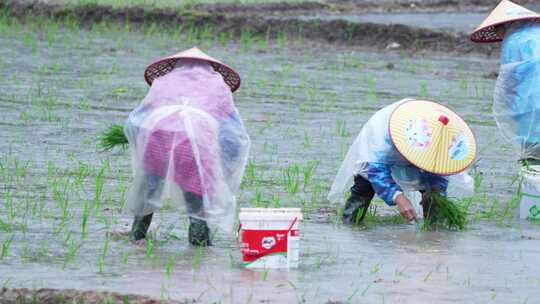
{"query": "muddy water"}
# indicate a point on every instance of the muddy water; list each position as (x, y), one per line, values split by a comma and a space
(385, 264)
(452, 21)
(300, 104)
(458, 22)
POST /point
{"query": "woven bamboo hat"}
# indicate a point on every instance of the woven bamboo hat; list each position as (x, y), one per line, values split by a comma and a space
(432, 137)
(505, 12)
(165, 65)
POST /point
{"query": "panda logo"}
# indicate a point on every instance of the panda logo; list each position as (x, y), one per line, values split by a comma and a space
(268, 242)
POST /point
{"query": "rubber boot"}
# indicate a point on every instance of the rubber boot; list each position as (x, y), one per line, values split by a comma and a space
(198, 232)
(140, 226)
(357, 204)
(356, 209)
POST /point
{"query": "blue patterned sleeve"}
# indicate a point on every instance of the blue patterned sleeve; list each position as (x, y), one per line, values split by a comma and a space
(380, 177)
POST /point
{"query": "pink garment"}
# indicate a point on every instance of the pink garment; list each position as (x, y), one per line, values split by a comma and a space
(196, 155)
(198, 84)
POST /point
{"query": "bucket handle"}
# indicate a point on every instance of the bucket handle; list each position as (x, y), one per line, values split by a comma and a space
(238, 233)
(292, 224)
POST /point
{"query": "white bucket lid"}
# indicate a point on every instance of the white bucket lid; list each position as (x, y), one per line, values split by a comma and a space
(270, 214)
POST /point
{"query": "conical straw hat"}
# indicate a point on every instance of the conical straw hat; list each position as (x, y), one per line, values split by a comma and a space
(432, 137)
(505, 12)
(165, 65)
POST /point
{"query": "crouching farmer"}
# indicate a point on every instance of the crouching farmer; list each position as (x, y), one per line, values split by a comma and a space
(188, 144)
(516, 102)
(411, 145)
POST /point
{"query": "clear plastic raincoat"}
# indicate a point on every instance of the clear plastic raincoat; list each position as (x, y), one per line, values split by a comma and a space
(188, 145)
(375, 157)
(516, 105)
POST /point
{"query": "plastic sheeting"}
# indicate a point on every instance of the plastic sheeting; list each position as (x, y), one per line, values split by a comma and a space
(374, 144)
(188, 146)
(516, 105)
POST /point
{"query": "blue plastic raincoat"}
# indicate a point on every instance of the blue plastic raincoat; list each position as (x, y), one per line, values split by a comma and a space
(517, 92)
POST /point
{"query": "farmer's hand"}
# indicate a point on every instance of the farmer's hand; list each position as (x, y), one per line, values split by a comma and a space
(405, 207)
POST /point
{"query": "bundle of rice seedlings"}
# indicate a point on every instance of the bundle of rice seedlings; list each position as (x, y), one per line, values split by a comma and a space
(112, 137)
(448, 213)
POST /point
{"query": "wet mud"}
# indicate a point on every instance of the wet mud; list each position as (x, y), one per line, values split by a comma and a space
(56, 296)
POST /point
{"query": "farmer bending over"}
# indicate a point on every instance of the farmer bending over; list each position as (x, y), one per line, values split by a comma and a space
(410, 144)
(188, 144)
(516, 105)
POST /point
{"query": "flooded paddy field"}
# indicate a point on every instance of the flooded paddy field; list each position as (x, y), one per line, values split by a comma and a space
(453, 21)
(62, 223)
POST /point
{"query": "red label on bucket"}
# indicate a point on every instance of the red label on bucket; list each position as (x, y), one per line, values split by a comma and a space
(258, 243)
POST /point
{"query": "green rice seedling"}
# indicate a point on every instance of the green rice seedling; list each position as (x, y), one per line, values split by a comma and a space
(52, 30)
(428, 275)
(258, 199)
(82, 173)
(282, 40)
(125, 257)
(122, 188)
(351, 297)
(84, 218)
(375, 269)
(365, 290)
(149, 247)
(171, 261)
(99, 182)
(341, 128)
(9, 203)
(451, 214)
(5, 227)
(401, 272)
(276, 201)
(249, 175)
(114, 136)
(5, 247)
(103, 255)
(71, 253)
(291, 179)
(309, 172)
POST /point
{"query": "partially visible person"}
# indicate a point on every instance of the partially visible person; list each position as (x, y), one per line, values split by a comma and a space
(412, 145)
(188, 144)
(516, 105)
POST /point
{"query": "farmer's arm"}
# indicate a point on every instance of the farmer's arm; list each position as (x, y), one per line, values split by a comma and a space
(380, 177)
(228, 137)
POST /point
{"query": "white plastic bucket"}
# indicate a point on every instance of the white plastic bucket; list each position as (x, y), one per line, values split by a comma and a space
(529, 206)
(270, 237)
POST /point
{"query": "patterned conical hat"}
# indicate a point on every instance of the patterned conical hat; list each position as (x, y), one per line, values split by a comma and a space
(165, 65)
(432, 137)
(505, 12)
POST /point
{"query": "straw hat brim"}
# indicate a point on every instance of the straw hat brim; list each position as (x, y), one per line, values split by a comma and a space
(434, 157)
(488, 34)
(167, 64)
(505, 12)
